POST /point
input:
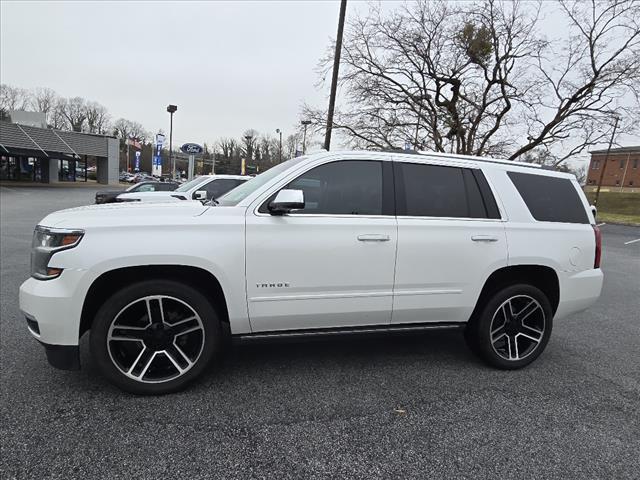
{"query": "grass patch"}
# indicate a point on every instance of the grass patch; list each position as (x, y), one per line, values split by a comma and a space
(618, 218)
(617, 207)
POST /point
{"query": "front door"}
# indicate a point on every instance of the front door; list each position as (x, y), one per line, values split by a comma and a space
(330, 264)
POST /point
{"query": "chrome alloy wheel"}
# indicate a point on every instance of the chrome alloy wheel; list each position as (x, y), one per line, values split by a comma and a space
(155, 339)
(517, 327)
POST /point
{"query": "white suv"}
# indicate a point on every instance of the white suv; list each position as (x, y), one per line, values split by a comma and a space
(340, 242)
(204, 187)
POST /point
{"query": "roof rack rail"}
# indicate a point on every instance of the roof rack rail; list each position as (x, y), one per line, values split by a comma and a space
(456, 156)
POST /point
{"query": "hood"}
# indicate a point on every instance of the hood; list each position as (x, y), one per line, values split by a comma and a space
(124, 214)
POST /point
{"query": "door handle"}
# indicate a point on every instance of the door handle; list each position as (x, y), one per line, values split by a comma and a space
(484, 238)
(373, 237)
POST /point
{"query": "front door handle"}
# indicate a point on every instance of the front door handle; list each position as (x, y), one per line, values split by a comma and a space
(373, 237)
(484, 238)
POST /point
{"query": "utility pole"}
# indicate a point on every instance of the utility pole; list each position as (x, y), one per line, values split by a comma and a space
(305, 124)
(280, 145)
(171, 109)
(606, 160)
(334, 78)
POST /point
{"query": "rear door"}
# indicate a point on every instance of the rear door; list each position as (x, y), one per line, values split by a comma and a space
(450, 238)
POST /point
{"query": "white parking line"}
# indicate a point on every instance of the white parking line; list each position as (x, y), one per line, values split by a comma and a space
(632, 241)
(600, 224)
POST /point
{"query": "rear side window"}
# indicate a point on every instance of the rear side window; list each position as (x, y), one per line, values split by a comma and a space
(550, 199)
(439, 191)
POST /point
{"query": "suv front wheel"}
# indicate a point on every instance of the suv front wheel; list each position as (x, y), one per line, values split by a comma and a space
(513, 328)
(155, 337)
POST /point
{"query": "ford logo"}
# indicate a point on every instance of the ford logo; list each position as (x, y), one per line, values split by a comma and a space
(191, 148)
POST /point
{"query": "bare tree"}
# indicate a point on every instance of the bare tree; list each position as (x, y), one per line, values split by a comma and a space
(73, 110)
(489, 84)
(12, 98)
(45, 100)
(98, 118)
(124, 129)
(227, 146)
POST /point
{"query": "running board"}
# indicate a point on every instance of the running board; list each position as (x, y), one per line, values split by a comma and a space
(324, 333)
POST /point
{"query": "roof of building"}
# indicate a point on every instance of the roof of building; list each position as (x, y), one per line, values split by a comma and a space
(633, 149)
(15, 137)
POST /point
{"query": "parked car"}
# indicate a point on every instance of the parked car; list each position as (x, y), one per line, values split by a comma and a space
(333, 243)
(203, 188)
(154, 186)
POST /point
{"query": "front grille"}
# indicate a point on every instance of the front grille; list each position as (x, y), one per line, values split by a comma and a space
(33, 325)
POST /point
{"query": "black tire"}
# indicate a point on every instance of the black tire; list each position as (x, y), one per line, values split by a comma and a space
(514, 344)
(187, 360)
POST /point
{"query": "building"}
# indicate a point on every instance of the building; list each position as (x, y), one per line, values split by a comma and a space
(622, 169)
(45, 155)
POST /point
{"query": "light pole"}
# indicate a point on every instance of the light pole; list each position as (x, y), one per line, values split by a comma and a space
(606, 160)
(278, 131)
(249, 153)
(305, 124)
(334, 78)
(171, 109)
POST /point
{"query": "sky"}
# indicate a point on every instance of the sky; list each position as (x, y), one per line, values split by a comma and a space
(228, 66)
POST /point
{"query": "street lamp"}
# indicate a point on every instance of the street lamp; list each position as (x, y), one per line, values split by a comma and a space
(171, 109)
(305, 124)
(280, 149)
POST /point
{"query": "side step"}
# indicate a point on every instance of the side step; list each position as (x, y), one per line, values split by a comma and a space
(325, 333)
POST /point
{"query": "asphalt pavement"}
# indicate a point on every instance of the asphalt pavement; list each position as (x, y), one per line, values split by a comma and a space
(401, 407)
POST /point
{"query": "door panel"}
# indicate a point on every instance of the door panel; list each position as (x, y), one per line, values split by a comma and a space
(314, 272)
(440, 269)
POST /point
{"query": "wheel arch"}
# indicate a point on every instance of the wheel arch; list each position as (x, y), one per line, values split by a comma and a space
(113, 280)
(542, 277)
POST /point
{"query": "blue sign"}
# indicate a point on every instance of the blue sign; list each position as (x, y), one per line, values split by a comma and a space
(157, 160)
(191, 148)
(137, 159)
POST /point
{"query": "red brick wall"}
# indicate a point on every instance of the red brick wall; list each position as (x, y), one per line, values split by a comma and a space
(614, 174)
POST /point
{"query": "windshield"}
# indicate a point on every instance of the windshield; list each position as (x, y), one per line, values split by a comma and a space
(185, 187)
(241, 192)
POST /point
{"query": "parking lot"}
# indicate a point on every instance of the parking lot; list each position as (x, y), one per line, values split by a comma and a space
(401, 407)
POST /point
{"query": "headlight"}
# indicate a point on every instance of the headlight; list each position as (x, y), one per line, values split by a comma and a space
(46, 242)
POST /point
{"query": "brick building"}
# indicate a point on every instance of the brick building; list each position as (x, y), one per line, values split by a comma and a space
(623, 167)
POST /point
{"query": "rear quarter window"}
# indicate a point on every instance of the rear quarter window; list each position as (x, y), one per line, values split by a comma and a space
(550, 199)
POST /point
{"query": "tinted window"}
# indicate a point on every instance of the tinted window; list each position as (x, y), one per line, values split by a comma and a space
(166, 186)
(342, 188)
(437, 191)
(219, 187)
(550, 199)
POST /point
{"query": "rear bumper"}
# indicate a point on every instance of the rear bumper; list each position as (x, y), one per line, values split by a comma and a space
(579, 291)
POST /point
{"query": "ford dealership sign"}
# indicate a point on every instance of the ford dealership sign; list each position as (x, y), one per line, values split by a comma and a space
(191, 148)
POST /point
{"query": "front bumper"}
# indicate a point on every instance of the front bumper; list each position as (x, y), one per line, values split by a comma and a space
(55, 306)
(63, 357)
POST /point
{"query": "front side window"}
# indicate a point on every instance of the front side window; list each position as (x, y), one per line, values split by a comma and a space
(351, 187)
(147, 187)
(219, 187)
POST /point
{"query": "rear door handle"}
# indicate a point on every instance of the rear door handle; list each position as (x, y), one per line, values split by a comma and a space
(373, 237)
(484, 238)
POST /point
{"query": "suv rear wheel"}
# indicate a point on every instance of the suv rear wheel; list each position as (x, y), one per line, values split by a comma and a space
(155, 337)
(513, 328)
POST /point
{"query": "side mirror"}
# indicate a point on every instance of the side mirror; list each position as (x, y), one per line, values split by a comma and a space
(285, 201)
(594, 210)
(200, 195)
